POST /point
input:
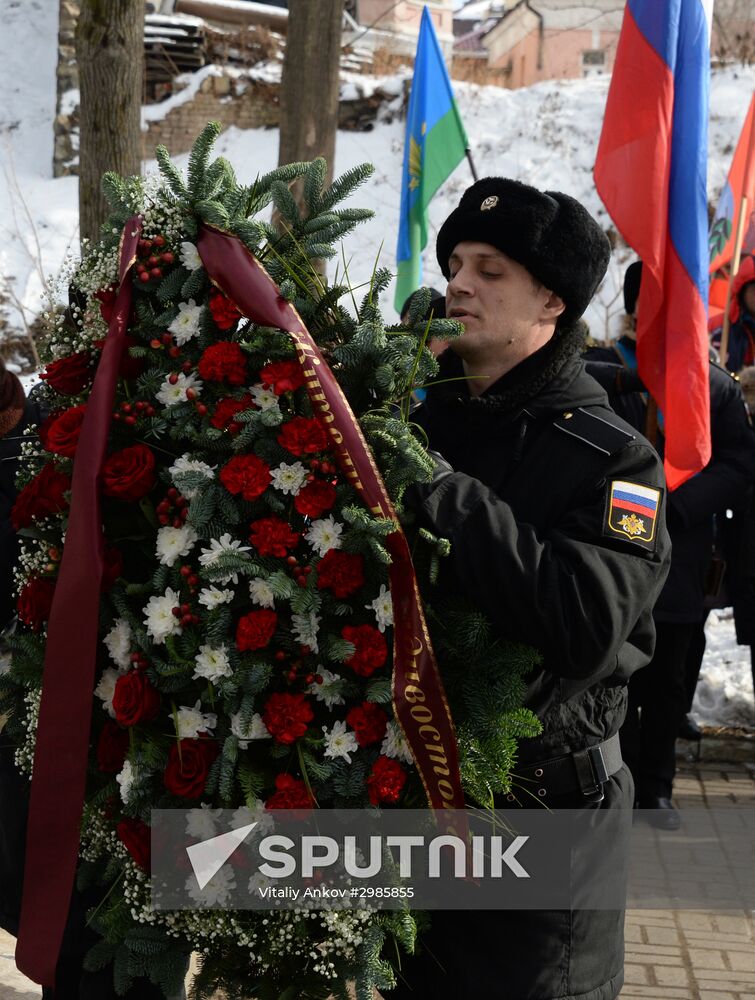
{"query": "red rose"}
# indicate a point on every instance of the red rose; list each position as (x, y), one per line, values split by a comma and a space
(189, 763)
(35, 602)
(247, 475)
(303, 436)
(291, 793)
(282, 376)
(223, 362)
(256, 629)
(69, 376)
(112, 569)
(224, 312)
(341, 572)
(135, 698)
(60, 432)
(272, 536)
(129, 474)
(112, 747)
(369, 722)
(136, 837)
(44, 495)
(316, 497)
(227, 409)
(385, 781)
(286, 716)
(106, 298)
(371, 648)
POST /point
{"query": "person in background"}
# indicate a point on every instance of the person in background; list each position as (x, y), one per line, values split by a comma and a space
(741, 345)
(659, 694)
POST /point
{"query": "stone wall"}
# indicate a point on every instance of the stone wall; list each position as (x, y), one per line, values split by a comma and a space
(66, 125)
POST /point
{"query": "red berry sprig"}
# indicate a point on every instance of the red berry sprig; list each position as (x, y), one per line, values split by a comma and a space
(173, 509)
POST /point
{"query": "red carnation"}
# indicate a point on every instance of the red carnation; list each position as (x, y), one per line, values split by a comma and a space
(371, 648)
(272, 536)
(227, 409)
(247, 475)
(35, 602)
(129, 474)
(69, 376)
(112, 569)
(282, 376)
(256, 629)
(286, 716)
(316, 497)
(111, 747)
(223, 362)
(44, 495)
(291, 793)
(369, 722)
(341, 572)
(224, 312)
(136, 836)
(189, 763)
(385, 781)
(60, 432)
(303, 436)
(135, 698)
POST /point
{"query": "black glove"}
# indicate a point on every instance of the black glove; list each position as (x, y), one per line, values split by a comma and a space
(417, 493)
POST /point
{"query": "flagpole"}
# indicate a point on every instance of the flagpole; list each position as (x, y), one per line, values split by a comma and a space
(735, 260)
(471, 164)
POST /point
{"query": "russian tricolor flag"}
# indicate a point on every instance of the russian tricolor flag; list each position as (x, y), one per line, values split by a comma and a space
(651, 172)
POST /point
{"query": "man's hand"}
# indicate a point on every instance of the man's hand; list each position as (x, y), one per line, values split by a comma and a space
(417, 493)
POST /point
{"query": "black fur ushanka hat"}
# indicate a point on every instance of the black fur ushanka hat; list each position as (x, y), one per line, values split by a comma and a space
(549, 233)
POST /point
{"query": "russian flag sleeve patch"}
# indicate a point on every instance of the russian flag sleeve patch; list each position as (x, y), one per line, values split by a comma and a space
(632, 512)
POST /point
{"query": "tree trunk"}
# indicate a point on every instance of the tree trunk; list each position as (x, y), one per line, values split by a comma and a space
(309, 88)
(110, 53)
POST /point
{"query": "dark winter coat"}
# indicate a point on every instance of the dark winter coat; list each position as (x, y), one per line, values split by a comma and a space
(723, 484)
(526, 511)
(10, 449)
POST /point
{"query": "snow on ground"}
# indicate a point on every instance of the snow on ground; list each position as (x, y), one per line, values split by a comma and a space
(545, 135)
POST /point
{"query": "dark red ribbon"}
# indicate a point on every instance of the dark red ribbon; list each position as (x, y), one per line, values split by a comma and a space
(65, 713)
(419, 700)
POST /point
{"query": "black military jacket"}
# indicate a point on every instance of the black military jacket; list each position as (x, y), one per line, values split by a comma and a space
(537, 458)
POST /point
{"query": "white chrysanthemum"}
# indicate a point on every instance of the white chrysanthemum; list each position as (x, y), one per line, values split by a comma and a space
(220, 547)
(118, 642)
(330, 689)
(217, 892)
(170, 394)
(185, 463)
(186, 324)
(261, 592)
(172, 543)
(212, 663)
(257, 813)
(264, 398)
(106, 689)
(160, 620)
(394, 744)
(324, 534)
(305, 629)
(289, 479)
(126, 778)
(339, 741)
(200, 823)
(383, 608)
(190, 722)
(189, 256)
(211, 597)
(256, 730)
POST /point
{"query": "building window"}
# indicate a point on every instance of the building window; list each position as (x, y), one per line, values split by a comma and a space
(593, 62)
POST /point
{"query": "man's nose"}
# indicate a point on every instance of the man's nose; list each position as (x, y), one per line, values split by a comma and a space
(460, 283)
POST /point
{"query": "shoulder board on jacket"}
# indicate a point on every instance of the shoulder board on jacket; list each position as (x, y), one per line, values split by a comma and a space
(596, 431)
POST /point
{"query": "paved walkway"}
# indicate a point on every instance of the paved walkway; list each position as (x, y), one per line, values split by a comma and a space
(670, 954)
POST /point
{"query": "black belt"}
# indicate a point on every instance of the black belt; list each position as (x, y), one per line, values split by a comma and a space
(583, 771)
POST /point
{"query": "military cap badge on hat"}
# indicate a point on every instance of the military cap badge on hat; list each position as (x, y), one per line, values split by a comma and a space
(547, 232)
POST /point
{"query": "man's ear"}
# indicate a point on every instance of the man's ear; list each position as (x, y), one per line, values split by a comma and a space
(553, 306)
